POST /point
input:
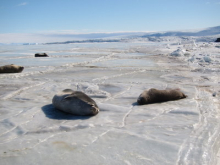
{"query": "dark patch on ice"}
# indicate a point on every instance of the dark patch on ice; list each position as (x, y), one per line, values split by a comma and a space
(184, 112)
(19, 130)
(178, 77)
(92, 66)
(59, 129)
(53, 113)
(204, 77)
(22, 99)
(7, 123)
(214, 94)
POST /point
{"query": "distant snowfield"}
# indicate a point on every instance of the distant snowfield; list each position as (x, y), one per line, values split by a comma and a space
(64, 36)
(114, 74)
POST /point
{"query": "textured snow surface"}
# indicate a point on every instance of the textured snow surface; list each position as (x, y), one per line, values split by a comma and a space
(182, 132)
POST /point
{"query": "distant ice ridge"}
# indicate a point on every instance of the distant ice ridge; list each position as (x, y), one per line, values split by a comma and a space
(198, 53)
(177, 53)
(201, 35)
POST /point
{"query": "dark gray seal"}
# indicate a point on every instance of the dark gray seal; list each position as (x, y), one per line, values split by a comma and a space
(41, 55)
(156, 96)
(75, 102)
(217, 40)
(11, 69)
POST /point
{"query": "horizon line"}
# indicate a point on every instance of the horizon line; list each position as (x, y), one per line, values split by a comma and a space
(75, 32)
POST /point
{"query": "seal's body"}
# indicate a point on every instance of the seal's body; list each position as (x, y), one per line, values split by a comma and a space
(41, 55)
(11, 69)
(156, 96)
(75, 102)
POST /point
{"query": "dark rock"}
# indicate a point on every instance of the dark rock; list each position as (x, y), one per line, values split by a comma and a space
(217, 40)
(214, 94)
(41, 55)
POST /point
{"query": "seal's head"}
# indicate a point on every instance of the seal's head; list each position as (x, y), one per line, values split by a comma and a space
(20, 69)
(143, 99)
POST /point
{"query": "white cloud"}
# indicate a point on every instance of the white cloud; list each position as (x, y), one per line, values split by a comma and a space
(23, 4)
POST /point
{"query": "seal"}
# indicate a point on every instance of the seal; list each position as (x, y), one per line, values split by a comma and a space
(41, 55)
(75, 102)
(156, 96)
(11, 69)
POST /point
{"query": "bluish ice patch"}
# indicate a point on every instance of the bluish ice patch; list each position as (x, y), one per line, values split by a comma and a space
(45, 61)
(124, 63)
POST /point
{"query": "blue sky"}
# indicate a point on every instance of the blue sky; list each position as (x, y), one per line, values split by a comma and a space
(86, 16)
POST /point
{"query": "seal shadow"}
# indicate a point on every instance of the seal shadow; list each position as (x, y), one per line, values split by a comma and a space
(158, 102)
(135, 104)
(51, 112)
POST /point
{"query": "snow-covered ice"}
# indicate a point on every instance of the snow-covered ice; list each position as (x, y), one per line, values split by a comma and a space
(182, 132)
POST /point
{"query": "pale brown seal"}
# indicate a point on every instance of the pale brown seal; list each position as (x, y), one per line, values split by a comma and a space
(156, 96)
(11, 69)
(75, 102)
